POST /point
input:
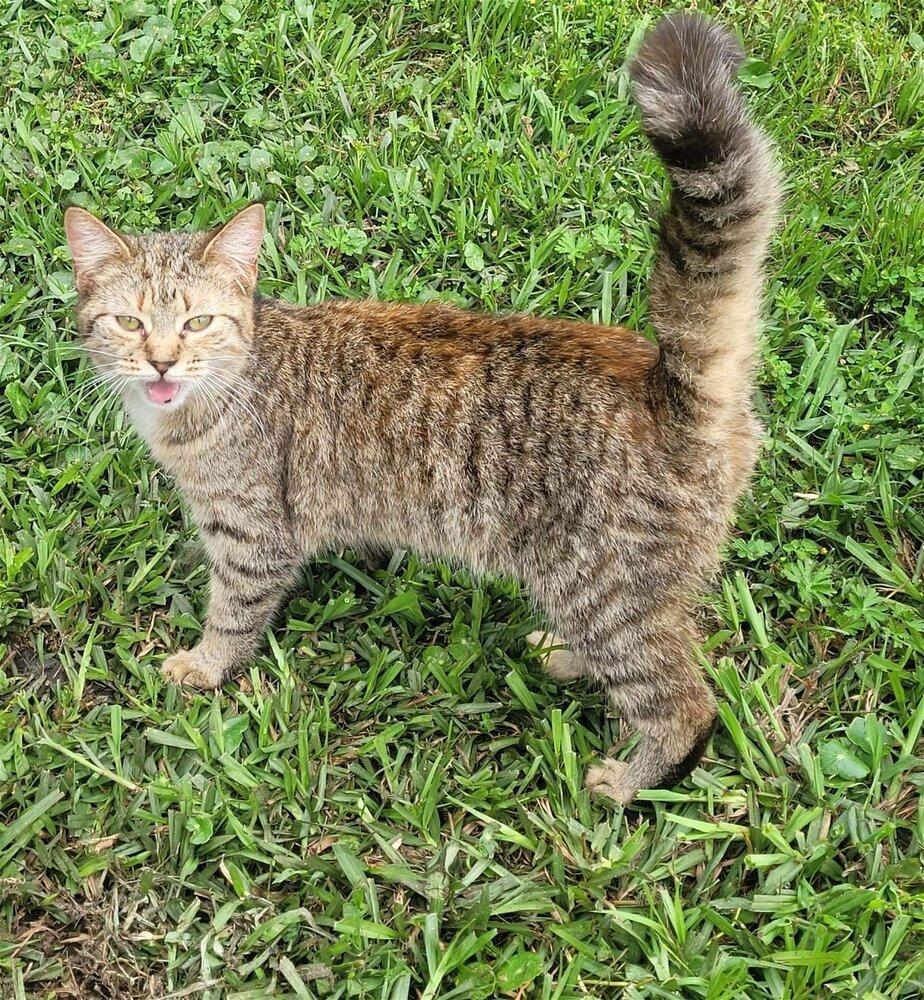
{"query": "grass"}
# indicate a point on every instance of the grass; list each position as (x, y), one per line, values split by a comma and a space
(388, 804)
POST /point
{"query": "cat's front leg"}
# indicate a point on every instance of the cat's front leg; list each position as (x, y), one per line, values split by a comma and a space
(250, 573)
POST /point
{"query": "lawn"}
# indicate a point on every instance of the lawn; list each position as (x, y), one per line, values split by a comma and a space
(388, 803)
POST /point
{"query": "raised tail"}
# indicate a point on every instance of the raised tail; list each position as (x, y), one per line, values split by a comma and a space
(706, 285)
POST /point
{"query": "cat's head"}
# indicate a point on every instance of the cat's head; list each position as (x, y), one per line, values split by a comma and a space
(166, 316)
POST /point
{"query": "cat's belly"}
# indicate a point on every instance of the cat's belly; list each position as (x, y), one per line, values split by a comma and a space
(341, 515)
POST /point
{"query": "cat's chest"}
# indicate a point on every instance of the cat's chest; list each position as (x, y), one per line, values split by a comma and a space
(194, 455)
(146, 421)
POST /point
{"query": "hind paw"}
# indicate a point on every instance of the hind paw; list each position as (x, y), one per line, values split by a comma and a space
(612, 778)
(561, 664)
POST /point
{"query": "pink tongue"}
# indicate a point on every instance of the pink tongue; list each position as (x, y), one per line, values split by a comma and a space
(162, 391)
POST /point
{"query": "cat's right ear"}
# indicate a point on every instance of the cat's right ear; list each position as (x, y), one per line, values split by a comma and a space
(92, 245)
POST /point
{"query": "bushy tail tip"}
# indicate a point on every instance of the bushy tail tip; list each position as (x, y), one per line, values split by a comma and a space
(683, 76)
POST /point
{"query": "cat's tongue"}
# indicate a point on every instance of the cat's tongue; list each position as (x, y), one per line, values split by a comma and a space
(162, 391)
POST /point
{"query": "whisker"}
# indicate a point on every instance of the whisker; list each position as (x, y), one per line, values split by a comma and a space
(224, 381)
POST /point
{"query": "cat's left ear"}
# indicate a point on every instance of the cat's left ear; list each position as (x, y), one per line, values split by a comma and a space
(238, 242)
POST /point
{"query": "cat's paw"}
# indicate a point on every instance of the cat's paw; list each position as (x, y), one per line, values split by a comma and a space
(612, 778)
(191, 669)
(561, 664)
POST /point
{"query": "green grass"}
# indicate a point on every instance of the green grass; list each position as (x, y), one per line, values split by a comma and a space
(388, 804)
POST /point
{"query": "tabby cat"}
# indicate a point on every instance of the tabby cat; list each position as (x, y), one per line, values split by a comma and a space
(596, 467)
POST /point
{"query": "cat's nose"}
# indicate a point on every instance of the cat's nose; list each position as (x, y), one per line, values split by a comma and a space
(162, 366)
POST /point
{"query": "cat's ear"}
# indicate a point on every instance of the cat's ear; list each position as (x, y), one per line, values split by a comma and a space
(92, 244)
(238, 242)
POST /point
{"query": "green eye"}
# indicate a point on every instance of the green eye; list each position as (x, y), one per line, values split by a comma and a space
(198, 323)
(129, 322)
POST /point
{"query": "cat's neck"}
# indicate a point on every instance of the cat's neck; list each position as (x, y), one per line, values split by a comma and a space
(167, 428)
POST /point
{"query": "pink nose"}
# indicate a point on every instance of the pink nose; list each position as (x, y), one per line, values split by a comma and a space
(162, 366)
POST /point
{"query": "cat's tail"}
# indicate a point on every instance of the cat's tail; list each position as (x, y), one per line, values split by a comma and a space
(706, 284)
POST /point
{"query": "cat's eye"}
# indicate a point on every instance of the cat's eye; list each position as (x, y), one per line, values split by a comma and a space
(131, 323)
(198, 323)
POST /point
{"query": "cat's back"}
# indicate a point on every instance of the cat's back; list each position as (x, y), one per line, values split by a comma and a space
(448, 338)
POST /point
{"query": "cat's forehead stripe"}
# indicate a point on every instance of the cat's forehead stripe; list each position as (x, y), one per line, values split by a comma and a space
(165, 264)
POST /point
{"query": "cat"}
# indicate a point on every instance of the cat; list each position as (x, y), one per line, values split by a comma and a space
(600, 469)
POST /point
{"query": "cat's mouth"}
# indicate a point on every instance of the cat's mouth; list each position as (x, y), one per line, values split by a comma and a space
(163, 392)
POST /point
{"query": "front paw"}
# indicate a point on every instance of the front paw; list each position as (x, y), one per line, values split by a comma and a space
(191, 668)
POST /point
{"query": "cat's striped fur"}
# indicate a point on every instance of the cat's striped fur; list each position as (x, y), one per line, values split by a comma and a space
(597, 468)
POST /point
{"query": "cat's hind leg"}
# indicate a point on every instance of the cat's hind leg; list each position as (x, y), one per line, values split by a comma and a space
(642, 657)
